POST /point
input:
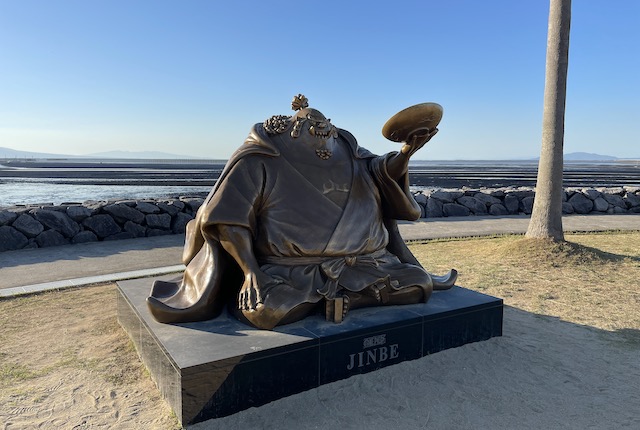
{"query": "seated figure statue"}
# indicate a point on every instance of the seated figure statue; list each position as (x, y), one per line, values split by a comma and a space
(301, 220)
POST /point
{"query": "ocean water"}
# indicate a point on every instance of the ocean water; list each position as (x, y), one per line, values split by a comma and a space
(64, 181)
(34, 182)
(29, 192)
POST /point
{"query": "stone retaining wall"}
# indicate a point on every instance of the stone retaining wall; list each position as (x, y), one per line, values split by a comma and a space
(42, 226)
(515, 201)
(47, 225)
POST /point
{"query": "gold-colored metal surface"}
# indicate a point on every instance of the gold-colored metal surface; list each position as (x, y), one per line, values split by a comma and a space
(301, 220)
(414, 120)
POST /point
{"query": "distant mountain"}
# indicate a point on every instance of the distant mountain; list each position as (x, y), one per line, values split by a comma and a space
(157, 155)
(587, 156)
(13, 153)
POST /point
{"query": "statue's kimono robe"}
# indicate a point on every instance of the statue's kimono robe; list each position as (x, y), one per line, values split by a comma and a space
(315, 246)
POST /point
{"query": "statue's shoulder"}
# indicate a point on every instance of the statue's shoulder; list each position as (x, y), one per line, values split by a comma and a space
(257, 143)
(357, 150)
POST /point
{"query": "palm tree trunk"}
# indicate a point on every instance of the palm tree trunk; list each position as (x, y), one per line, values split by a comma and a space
(546, 218)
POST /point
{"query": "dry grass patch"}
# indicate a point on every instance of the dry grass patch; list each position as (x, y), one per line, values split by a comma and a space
(592, 279)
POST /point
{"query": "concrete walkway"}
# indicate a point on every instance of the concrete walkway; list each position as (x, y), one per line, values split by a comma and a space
(33, 270)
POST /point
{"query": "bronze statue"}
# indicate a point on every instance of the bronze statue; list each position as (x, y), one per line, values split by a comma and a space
(303, 219)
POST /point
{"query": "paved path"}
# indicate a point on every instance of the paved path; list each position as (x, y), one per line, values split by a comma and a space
(469, 226)
(32, 270)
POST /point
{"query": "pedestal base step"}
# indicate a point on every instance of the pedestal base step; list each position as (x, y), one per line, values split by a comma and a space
(216, 368)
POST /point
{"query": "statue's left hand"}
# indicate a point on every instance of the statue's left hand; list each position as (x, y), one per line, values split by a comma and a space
(399, 163)
(417, 141)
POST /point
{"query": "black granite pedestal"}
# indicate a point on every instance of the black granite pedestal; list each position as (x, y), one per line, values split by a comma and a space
(216, 368)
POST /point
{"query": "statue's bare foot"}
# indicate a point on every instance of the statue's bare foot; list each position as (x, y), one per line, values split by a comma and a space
(346, 301)
(380, 292)
(376, 293)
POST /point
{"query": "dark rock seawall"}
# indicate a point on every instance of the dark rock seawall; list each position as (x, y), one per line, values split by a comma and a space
(42, 226)
(518, 201)
(47, 225)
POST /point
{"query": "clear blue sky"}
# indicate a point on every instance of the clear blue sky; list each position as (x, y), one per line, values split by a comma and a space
(192, 77)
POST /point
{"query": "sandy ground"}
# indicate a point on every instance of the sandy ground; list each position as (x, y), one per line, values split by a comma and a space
(65, 363)
(81, 373)
(542, 374)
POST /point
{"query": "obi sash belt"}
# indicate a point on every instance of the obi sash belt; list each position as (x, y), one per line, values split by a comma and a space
(352, 272)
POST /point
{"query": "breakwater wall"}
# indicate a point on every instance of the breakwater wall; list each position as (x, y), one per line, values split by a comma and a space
(518, 201)
(48, 225)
